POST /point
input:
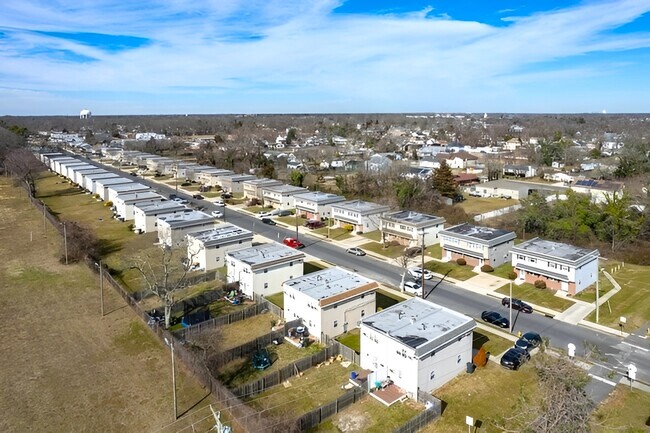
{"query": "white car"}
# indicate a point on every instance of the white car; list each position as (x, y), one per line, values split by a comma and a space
(417, 273)
(264, 214)
(217, 214)
(413, 288)
(219, 202)
(180, 200)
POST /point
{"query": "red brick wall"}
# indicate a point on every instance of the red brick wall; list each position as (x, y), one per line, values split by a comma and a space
(471, 261)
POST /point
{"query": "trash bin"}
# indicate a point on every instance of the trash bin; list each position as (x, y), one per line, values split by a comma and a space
(470, 367)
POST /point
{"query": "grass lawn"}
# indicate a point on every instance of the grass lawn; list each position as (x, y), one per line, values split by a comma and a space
(371, 416)
(255, 209)
(289, 220)
(317, 386)
(589, 294)
(335, 233)
(374, 235)
(352, 339)
(625, 411)
(542, 297)
(492, 342)
(377, 248)
(434, 251)
(241, 370)
(503, 271)
(238, 333)
(310, 267)
(633, 300)
(277, 299)
(385, 300)
(488, 393)
(479, 205)
(458, 272)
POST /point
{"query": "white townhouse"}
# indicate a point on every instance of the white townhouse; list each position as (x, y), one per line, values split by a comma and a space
(281, 196)
(477, 245)
(127, 188)
(253, 188)
(262, 269)
(45, 157)
(561, 266)
(329, 302)
(408, 227)
(90, 180)
(211, 178)
(363, 216)
(203, 174)
(316, 205)
(124, 203)
(80, 175)
(206, 250)
(160, 164)
(173, 229)
(417, 344)
(235, 183)
(102, 185)
(145, 215)
(72, 170)
(57, 163)
(68, 165)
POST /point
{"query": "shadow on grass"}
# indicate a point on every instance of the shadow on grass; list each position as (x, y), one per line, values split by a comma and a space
(189, 409)
(108, 246)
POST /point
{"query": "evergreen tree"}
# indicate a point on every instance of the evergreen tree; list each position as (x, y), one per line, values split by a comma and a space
(443, 181)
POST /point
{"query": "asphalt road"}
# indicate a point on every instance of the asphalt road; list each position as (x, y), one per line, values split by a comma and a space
(604, 349)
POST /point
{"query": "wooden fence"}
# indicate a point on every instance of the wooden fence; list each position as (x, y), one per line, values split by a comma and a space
(312, 418)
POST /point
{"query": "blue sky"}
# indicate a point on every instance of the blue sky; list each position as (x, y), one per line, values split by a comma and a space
(302, 56)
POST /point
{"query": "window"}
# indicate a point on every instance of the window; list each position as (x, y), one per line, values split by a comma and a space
(363, 313)
(432, 375)
(336, 323)
(459, 359)
(266, 285)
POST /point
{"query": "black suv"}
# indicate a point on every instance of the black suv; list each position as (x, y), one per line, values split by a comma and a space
(495, 318)
(514, 358)
(517, 304)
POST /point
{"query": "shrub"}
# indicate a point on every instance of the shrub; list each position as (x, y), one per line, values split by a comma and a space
(487, 268)
(461, 261)
(348, 227)
(512, 275)
(540, 284)
(186, 184)
(95, 195)
(108, 203)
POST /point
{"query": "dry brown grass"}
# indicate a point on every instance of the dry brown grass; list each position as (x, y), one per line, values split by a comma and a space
(65, 369)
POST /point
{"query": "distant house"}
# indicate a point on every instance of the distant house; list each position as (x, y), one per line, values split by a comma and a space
(261, 270)
(207, 248)
(253, 188)
(512, 144)
(477, 245)
(598, 190)
(363, 216)
(466, 179)
(281, 196)
(559, 176)
(329, 302)
(561, 266)
(85, 114)
(519, 170)
(408, 227)
(417, 344)
(235, 182)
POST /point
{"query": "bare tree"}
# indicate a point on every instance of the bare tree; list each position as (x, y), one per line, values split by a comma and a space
(22, 164)
(164, 276)
(81, 241)
(403, 262)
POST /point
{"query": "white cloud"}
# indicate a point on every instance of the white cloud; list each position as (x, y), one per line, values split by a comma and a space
(300, 57)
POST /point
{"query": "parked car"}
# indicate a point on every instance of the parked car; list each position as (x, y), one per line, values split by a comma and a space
(268, 221)
(529, 341)
(417, 273)
(514, 358)
(413, 288)
(314, 224)
(180, 200)
(226, 195)
(264, 214)
(293, 243)
(356, 251)
(198, 196)
(495, 318)
(413, 251)
(219, 203)
(217, 214)
(517, 304)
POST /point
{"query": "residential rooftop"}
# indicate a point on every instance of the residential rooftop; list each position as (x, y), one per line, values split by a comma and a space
(285, 189)
(557, 250)
(162, 206)
(263, 181)
(412, 218)
(319, 197)
(222, 233)
(119, 180)
(420, 324)
(127, 187)
(105, 175)
(331, 282)
(266, 254)
(360, 206)
(187, 219)
(135, 196)
(478, 232)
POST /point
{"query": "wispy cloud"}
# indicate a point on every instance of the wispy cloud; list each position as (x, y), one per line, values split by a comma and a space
(297, 56)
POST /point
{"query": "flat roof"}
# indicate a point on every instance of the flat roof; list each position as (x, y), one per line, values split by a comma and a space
(134, 196)
(237, 177)
(114, 181)
(522, 187)
(263, 181)
(554, 249)
(360, 206)
(129, 187)
(412, 218)
(330, 282)
(285, 189)
(266, 254)
(320, 197)
(478, 232)
(162, 206)
(188, 219)
(420, 324)
(105, 175)
(221, 233)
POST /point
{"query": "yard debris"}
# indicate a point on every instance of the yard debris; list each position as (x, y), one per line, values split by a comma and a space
(287, 384)
(346, 364)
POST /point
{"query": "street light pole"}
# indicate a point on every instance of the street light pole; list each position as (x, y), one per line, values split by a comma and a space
(597, 295)
(65, 243)
(296, 223)
(510, 305)
(101, 287)
(422, 282)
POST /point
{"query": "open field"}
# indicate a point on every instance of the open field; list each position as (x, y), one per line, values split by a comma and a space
(542, 297)
(64, 367)
(479, 205)
(625, 411)
(455, 270)
(392, 252)
(632, 302)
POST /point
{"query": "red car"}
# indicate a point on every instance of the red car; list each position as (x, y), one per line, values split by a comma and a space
(293, 243)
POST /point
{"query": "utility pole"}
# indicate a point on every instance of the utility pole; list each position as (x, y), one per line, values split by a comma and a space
(422, 274)
(296, 223)
(510, 305)
(65, 243)
(170, 343)
(101, 287)
(597, 290)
